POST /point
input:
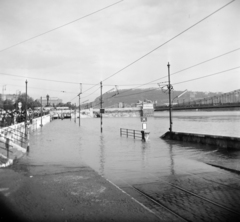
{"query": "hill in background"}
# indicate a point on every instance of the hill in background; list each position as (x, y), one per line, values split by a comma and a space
(130, 97)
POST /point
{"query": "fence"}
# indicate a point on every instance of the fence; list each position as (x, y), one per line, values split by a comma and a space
(15, 135)
(131, 132)
(5, 146)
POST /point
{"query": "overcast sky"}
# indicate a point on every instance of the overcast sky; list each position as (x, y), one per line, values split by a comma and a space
(96, 47)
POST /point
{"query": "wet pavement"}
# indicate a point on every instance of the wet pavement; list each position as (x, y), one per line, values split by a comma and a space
(170, 181)
(66, 194)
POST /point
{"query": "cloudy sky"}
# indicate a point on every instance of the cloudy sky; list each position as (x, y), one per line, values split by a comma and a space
(111, 43)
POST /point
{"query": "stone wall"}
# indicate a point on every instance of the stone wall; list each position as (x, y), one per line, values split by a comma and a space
(219, 141)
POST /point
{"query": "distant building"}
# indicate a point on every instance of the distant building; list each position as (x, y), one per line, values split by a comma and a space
(11, 97)
(53, 101)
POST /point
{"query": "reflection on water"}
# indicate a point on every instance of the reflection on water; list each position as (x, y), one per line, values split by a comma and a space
(171, 155)
(65, 144)
(101, 156)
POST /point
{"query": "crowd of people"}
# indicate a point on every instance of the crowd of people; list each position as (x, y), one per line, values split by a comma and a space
(11, 117)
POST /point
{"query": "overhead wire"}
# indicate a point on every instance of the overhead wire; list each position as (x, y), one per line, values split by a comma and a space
(48, 80)
(135, 61)
(30, 87)
(91, 93)
(174, 73)
(148, 90)
(217, 73)
(54, 80)
(189, 80)
(61, 26)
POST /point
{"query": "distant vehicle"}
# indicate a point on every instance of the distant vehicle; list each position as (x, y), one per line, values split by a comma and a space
(61, 113)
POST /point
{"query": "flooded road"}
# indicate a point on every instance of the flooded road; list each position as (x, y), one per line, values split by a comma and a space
(160, 172)
(110, 154)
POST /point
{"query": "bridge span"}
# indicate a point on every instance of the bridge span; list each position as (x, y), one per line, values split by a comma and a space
(230, 100)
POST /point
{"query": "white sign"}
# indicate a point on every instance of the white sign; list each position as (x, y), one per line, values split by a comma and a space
(144, 126)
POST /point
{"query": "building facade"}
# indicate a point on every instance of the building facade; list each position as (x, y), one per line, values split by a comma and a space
(53, 101)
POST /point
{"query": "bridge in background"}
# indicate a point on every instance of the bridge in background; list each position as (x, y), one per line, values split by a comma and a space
(230, 100)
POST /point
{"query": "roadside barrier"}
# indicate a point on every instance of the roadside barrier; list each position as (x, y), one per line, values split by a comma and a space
(15, 135)
(130, 132)
(143, 134)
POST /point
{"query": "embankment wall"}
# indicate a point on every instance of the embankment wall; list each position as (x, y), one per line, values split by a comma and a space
(219, 141)
(14, 141)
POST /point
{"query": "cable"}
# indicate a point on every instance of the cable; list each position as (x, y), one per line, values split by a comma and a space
(168, 41)
(207, 75)
(196, 65)
(73, 98)
(91, 93)
(185, 81)
(138, 85)
(186, 68)
(49, 80)
(54, 80)
(29, 87)
(44, 33)
(138, 93)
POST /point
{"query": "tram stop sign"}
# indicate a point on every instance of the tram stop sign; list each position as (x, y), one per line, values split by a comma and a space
(19, 105)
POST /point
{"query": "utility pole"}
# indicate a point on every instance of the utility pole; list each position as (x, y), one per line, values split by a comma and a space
(26, 111)
(75, 112)
(79, 108)
(170, 99)
(101, 105)
(41, 112)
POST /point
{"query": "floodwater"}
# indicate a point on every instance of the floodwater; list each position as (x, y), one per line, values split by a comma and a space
(125, 160)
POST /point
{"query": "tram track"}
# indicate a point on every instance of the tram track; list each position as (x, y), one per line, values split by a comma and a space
(216, 182)
(206, 199)
(203, 198)
(162, 205)
(155, 201)
(176, 214)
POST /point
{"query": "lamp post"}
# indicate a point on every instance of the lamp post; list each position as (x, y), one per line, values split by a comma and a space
(41, 112)
(26, 111)
(47, 100)
(170, 100)
(101, 110)
(79, 109)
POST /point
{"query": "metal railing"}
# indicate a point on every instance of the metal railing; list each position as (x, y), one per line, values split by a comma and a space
(131, 132)
(16, 135)
(6, 147)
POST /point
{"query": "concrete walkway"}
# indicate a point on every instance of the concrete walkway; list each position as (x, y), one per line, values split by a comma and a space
(65, 194)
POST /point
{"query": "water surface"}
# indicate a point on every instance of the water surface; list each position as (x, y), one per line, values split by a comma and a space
(64, 143)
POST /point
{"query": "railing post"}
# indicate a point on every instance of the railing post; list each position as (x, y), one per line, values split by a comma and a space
(120, 131)
(134, 134)
(127, 132)
(7, 146)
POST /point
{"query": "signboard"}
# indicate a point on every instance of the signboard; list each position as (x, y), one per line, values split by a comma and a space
(144, 126)
(143, 119)
(102, 110)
